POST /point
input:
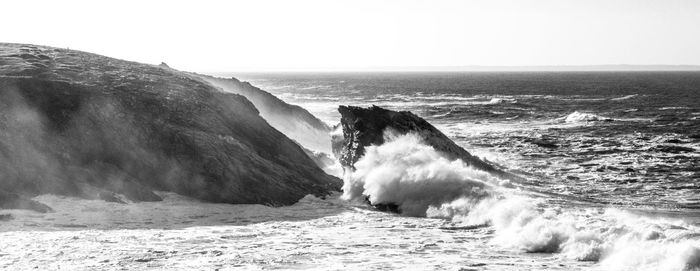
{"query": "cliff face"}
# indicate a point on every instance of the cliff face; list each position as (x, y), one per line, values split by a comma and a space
(363, 127)
(292, 120)
(72, 122)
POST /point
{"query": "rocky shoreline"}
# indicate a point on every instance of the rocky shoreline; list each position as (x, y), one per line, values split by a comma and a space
(84, 125)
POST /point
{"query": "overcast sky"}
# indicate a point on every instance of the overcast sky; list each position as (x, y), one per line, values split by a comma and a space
(260, 35)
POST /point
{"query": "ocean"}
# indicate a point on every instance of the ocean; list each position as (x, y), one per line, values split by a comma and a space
(611, 162)
(595, 147)
(615, 138)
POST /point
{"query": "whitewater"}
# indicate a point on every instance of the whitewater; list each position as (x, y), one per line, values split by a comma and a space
(610, 184)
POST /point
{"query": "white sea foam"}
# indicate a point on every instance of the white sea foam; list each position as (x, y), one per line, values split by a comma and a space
(674, 108)
(584, 117)
(414, 176)
(624, 97)
(500, 101)
(496, 101)
(422, 182)
(620, 240)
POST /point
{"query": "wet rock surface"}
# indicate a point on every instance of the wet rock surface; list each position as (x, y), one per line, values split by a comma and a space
(363, 127)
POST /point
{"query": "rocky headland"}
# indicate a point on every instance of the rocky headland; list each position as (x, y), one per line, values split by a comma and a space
(79, 124)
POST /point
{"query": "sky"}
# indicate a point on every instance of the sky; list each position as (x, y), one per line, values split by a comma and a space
(330, 35)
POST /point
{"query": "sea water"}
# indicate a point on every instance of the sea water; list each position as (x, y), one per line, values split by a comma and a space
(610, 162)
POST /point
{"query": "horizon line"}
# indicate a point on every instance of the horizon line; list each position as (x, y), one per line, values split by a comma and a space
(479, 68)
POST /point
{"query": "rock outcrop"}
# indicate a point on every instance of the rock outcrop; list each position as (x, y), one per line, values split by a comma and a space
(14, 201)
(292, 120)
(72, 123)
(363, 127)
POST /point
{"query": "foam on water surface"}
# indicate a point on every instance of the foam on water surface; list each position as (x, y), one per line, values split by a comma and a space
(184, 234)
(421, 182)
(600, 195)
(590, 144)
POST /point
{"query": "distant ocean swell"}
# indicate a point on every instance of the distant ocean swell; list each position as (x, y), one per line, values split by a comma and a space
(422, 182)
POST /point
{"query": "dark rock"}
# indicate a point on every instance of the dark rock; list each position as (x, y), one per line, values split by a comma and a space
(385, 207)
(164, 65)
(15, 201)
(112, 178)
(70, 118)
(363, 127)
(110, 197)
(6, 217)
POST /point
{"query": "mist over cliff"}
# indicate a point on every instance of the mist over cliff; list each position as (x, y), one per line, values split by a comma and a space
(292, 120)
(79, 124)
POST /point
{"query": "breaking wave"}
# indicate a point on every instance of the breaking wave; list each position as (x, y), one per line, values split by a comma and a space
(413, 176)
(584, 117)
(625, 97)
(500, 101)
(422, 182)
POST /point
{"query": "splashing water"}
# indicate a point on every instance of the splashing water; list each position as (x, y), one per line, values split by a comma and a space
(422, 182)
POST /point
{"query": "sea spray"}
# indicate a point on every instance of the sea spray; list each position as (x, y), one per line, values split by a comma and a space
(413, 176)
(584, 117)
(422, 182)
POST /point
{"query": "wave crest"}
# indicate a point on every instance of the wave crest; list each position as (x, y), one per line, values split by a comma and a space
(414, 176)
(421, 182)
(584, 117)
